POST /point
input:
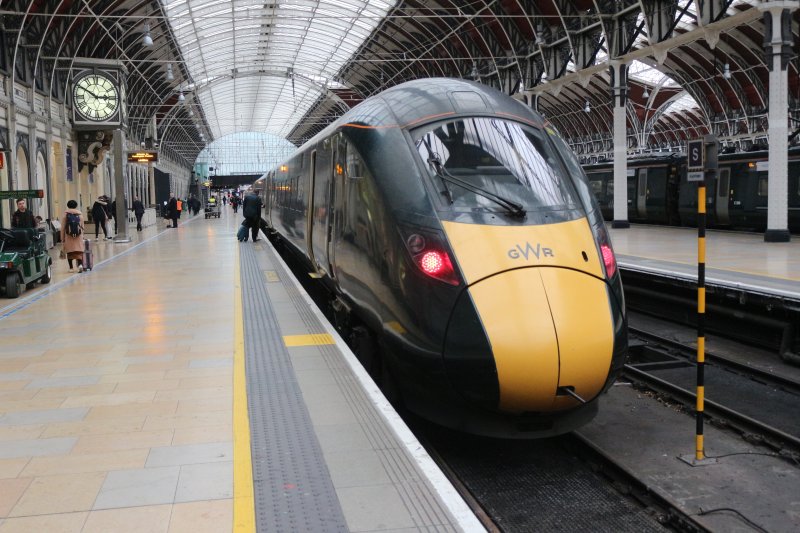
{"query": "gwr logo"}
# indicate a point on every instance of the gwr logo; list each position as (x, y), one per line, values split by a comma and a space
(539, 251)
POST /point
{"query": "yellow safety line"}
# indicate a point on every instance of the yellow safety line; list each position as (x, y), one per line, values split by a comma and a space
(244, 515)
(314, 339)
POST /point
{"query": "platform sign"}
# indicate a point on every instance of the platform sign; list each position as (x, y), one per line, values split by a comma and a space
(24, 193)
(695, 160)
(143, 156)
(694, 176)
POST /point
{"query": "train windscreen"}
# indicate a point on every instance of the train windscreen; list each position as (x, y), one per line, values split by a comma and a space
(505, 159)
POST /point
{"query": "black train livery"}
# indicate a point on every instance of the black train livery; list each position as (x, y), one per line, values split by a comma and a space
(465, 256)
(659, 193)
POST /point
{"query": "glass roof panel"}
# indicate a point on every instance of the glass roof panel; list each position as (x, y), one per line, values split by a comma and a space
(260, 65)
(245, 153)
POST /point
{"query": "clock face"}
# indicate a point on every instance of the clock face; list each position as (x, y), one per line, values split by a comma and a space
(95, 97)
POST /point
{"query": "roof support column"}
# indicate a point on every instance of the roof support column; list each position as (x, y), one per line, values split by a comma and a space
(619, 97)
(778, 51)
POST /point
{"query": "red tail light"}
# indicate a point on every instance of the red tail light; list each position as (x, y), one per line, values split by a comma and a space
(429, 253)
(608, 259)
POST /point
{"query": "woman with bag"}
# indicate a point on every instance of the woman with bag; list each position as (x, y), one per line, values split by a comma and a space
(72, 236)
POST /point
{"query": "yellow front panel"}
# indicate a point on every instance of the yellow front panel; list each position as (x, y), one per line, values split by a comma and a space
(515, 314)
(585, 330)
(482, 250)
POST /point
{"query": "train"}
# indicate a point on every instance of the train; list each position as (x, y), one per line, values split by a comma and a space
(463, 256)
(659, 192)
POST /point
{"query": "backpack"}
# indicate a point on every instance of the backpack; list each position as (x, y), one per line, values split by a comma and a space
(73, 225)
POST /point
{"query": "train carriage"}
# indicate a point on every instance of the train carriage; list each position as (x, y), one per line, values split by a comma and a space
(466, 259)
(659, 192)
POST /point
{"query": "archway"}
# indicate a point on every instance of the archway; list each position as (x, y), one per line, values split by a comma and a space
(22, 169)
(41, 206)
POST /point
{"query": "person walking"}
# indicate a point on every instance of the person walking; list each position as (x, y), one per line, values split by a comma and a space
(172, 210)
(100, 217)
(72, 235)
(22, 218)
(138, 210)
(251, 209)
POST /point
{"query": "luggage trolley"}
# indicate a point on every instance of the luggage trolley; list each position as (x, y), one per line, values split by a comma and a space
(212, 208)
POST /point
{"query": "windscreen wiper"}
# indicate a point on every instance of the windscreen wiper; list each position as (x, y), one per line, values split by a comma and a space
(513, 208)
(436, 163)
(438, 168)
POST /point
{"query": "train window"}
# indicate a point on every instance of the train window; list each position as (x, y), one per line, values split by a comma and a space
(575, 171)
(356, 169)
(501, 157)
(724, 182)
(763, 186)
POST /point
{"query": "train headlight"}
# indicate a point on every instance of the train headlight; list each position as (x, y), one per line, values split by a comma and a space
(606, 251)
(429, 252)
(608, 259)
(415, 243)
(431, 263)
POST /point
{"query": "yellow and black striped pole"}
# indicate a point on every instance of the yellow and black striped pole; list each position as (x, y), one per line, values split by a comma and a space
(710, 165)
(701, 316)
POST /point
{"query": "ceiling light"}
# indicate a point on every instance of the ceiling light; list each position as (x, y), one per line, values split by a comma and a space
(170, 75)
(646, 93)
(181, 98)
(726, 71)
(147, 41)
(587, 107)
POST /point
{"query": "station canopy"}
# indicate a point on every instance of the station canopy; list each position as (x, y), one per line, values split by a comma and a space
(260, 66)
(199, 70)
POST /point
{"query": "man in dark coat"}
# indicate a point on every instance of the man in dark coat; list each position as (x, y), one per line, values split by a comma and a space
(251, 209)
(100, 216)
(22, 218)
(138, 210)
(172, 210)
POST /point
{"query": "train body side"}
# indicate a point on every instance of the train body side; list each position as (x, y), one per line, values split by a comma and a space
(659, 192)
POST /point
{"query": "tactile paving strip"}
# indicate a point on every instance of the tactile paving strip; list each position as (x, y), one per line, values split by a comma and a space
(420, 500)
(292, 487)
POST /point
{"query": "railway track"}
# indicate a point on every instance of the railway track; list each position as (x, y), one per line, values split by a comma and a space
(748, 399)
(548, 484)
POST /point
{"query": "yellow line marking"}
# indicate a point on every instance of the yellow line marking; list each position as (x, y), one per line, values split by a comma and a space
(244, 514)
(313, 339)
(271, 276)
(314, 275)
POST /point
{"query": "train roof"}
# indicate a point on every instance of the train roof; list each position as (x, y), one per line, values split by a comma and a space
(422, 100)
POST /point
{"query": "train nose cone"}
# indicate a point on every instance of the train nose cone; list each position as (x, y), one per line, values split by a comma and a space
(548, 329)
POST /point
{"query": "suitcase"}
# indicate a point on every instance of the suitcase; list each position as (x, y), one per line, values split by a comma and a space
(241, 235)
(88, 259)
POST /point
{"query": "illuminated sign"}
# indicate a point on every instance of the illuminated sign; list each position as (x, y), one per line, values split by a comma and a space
(24, 193)
(143, 157)
(2, 160)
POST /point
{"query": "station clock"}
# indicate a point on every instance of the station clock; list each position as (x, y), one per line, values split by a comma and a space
(98, 98)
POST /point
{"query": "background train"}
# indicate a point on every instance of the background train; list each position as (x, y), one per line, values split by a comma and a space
(465, 257)
(659, 193)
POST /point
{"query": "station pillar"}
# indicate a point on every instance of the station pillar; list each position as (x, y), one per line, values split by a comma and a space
(619, 97)
(778, 42)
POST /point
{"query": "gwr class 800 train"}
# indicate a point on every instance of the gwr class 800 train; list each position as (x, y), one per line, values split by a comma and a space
(659, 192)
(465, 256)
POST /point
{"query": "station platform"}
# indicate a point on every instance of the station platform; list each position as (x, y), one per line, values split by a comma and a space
(733, 259)
(126, 394)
